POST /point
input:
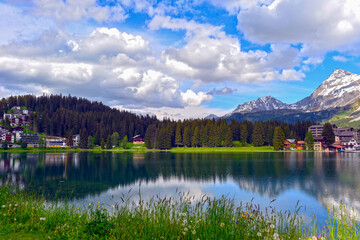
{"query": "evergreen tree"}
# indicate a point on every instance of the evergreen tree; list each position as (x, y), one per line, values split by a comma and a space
(124, 142)
(328, 134)
(108, 142)
(23, 144)
(309, 141)
(90, 144)
(187, 137)
(279, 138)
(102, 144)
(228, 138)
(83, 139)
(258, 135)
(69, 139)
(150, 136)
(178, 136)
(196, 137)
(163, 140)
(5, 145)
(243, 133)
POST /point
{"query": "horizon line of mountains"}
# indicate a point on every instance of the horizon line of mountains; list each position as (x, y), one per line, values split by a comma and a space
(338, 94)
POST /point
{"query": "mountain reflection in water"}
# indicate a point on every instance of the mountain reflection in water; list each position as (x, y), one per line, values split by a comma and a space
(318, 179)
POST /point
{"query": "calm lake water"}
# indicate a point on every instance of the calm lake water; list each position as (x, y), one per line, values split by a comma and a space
(314, 179)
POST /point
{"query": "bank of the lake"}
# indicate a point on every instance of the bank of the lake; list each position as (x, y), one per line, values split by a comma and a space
(24, 216)
(142, 149)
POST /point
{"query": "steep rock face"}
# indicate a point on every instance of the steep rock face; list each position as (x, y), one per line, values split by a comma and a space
(340, 89)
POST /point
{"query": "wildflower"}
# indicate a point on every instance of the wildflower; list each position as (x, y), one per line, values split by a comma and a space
(193, 232)
(112, 206)
(222, 224)
(14, 219)
(98, 205)
(89, 204)
(10, 205)
(259, 234)
(16, 205)
(182, 214)
(42, 219)
(185, 229)
(314, 238)
(272, 226)
(184, 233)
(184, 221)
(3, 206)
(107, 219)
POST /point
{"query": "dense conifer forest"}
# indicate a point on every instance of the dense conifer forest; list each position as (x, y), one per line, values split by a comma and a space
(58, 115)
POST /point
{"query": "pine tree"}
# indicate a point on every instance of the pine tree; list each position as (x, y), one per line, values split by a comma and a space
(187, 137)
(150, 136)
(90, 143)
(108, 142)
(178, 136)
(309, 141)
(228, 138)
(5, 145)
(102, 144)
(243, 133)
(196, 137)
(83, 138)
(69, 139)
(279, 138)
(258, 135)
(328, 134)
(23, 144)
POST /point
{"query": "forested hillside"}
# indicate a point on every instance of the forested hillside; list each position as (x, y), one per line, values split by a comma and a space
(59, 115)
(56, 115)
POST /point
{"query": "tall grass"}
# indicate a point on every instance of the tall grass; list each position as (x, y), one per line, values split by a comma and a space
(23, 216)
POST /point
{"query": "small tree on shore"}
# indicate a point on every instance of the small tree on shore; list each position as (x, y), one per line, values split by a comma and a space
(279, 138)
(125, 142)
(102, 144)
(328, 134)
(309, 141)
(23, 144)
(5, 145)
(108, 142)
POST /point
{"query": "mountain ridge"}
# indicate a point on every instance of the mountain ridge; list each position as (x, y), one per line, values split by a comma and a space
(339, 90)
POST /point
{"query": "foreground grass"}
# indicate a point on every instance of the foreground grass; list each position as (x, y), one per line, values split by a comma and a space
(26, 217)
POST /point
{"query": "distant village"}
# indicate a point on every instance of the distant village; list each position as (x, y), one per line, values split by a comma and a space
(18, 120)
(346, 139)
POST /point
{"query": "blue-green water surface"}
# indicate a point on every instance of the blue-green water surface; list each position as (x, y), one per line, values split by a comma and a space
(316, 180)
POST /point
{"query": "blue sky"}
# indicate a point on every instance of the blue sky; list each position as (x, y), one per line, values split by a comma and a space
(179, 59)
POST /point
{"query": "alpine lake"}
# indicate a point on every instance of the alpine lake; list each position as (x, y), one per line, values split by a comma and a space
(278, 180)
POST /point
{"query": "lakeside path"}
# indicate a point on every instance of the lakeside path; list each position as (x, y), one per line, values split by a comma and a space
(142, 149)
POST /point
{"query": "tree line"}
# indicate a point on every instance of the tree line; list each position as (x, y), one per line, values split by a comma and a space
(220, 133)
(97, 124)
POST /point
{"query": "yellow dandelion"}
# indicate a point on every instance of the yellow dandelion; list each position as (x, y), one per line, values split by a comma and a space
(89, 204)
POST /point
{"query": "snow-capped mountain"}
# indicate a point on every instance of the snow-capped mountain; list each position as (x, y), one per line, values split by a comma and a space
(340, 89)
(267, 103)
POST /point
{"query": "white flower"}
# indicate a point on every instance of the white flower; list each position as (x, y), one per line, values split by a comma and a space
(42, 219)
(184, 221)
(185, 229)
(222, 224)
(272, 226)
(112, 206)
(16, 205)
(3, 206)
(184, 233)
(259, 234)
(193, 232)
(182, 214)
(10, 205)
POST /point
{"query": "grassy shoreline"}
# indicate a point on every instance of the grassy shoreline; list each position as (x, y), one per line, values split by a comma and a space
(142, 149)
(24, 216)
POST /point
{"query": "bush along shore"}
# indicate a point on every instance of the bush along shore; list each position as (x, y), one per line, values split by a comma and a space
(24, 216)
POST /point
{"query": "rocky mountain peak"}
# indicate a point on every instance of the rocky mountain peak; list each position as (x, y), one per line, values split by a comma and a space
(339, 73)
